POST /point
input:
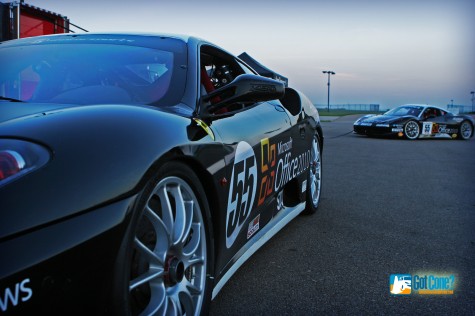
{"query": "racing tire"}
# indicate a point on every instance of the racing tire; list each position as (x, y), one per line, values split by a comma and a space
(465, 130)
(168, 257)
(314, 179)
(411, 130)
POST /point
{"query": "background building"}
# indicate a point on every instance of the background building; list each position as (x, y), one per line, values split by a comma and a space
(18, 20)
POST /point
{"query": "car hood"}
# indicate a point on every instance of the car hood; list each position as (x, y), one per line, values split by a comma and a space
(381, 119)
(14, 110)
(18, 110)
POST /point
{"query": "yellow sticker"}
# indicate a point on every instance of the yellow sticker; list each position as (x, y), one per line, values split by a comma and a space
(205, 127)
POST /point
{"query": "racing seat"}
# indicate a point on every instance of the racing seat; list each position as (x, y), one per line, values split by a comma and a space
(209, 87)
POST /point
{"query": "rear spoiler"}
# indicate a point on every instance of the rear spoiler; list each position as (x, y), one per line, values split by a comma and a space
(263, 70)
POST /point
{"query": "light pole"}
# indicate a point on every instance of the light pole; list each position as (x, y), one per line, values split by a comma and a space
(329, 72)
(472, 92)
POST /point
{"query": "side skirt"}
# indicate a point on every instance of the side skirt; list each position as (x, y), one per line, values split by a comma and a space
(261, 237)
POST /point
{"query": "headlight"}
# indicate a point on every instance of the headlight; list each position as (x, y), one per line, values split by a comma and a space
(18, 158)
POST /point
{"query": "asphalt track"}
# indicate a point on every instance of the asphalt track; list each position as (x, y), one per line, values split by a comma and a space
(388, 206)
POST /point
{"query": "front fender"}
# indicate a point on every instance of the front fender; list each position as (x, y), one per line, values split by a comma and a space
(99, 155)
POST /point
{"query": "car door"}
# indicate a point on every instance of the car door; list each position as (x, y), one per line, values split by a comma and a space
(451, 124)
(250, 134)
(437, 121)
(432, 118)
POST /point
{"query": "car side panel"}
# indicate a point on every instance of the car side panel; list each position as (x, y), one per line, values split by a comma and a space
(248, 137)
(439, 126)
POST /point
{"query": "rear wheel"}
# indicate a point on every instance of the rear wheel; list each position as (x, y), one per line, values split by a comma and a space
(314, 180)
(465, 130)
(411, 130)
(169, 254)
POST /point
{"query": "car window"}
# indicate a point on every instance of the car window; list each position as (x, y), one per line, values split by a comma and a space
(220, 66)
(218, 69)
(246, 68)
(405, 110)
(431, 112)
(92, 74)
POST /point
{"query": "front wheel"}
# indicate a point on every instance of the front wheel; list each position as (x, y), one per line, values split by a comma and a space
(465, 130)
(169, 255)
(314, 179)
(411, 130)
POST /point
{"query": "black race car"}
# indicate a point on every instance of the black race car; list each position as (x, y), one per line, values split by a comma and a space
(416, 121)
(138, 172)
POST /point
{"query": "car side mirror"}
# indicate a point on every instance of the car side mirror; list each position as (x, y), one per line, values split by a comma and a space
(245, 88)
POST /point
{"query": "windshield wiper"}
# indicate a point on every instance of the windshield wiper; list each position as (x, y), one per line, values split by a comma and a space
(10, 99)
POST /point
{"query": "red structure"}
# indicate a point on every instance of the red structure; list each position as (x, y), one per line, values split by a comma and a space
(19, 20)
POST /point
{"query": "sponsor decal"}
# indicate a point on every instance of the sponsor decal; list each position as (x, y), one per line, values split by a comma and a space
(430, 128)
(76, 39)
(366, 124)
(445, 130)
(268, 160)
(241, 192)
(284, 147)
(253, 226)
(422, 284)
(442, 129)
(279, 168)
(289, 167)
(304, 186)
(19, 293)
(262, 87)
(397, 130)
(280, 200)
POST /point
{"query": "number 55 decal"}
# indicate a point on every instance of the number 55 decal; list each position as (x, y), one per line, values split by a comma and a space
(241, 192)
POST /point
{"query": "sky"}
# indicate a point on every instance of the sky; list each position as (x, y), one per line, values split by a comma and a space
(383, 52)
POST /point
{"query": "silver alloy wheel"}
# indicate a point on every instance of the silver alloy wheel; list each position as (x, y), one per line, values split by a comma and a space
(315, 173)
(466, 130)
(168, 272)
(411, 130)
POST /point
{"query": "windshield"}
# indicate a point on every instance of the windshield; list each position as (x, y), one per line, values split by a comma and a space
(93, 73)
(405, 110)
